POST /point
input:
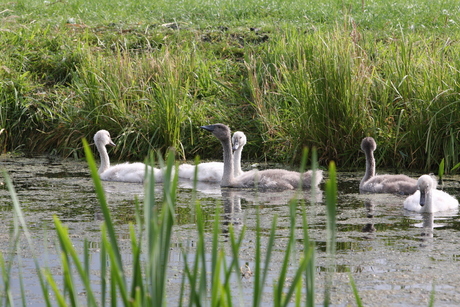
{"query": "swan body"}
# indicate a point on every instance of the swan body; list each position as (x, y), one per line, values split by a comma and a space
(273, 179)
(125, 172)
(399, 184)
(208, 171)
(428, 199)
(213, 171)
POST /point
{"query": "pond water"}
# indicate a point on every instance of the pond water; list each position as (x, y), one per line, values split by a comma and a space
(394, 256)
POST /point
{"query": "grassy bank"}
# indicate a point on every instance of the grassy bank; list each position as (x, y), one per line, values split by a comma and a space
(288, 74)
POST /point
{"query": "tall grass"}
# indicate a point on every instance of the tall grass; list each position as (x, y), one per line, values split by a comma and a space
(207, 279)
(289, 73)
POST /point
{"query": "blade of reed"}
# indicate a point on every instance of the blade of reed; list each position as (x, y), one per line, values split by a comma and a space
(116, 256)
(217, 259)
(69, 285)
(6, 267)
(309, 246)
(159, 226)
(21, 221)
(260, 275)
(432, 296)
(331, 201)
(234, 265)
(309, 249)
(456, 166)
(69, 252)
(280, 298)
(5, 294)
(137, 285)
(58, 296)
(441, 170)
(355, 290)
(21, 284)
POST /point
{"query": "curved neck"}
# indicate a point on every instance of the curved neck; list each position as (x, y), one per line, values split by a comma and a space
(237, 162)
(105, 161)
(370, 165)
(227, 178)
(428, 201)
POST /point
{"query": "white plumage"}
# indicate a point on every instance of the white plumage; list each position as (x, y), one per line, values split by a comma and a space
(125, 172)
(428, 199)
(213, 171)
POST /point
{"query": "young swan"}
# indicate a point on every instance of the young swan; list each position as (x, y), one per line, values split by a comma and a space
(213, 171)
(238, 141)
(400, 184)
(126, 172)
(428, 199)
(274, 179)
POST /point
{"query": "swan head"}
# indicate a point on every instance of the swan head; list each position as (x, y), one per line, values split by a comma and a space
(220, 131)
(102, 137)
(424, 184)
(238, 140)
(368, 144)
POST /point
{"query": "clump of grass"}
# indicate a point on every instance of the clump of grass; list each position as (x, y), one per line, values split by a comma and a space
(294, 74)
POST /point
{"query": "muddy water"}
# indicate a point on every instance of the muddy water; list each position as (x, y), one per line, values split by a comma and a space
(395, 257)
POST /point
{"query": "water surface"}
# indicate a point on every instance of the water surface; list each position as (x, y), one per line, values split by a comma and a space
(394, 256)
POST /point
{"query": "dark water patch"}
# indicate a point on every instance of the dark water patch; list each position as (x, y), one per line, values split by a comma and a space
(64, 174)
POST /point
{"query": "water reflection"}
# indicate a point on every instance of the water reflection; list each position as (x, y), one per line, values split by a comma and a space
(369, 227)
(428, 223)
(279, 197)
(232, 209)
(206, 188)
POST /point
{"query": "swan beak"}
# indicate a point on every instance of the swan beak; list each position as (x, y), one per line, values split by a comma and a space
(422, 198)
(111, 143)
(236, 145)
(208, 127)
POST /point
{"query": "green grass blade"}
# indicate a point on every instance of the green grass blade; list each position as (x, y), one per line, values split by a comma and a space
(69, 252)
(21, 221)
(331, 203)
(107, 218)
(441, 170)
(57, 292)
(355, 290)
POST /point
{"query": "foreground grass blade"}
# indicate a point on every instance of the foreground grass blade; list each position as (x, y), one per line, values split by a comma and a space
(116, 256)
(355, 290)
(107, 219)
(22, 223)
(331, 203)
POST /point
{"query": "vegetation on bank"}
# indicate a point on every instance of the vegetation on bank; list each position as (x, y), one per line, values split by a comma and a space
(288, 73)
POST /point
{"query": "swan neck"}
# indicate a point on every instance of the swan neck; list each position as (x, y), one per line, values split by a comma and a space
(227, 178)
(428, 201)
(237, 162)
(105, 162)
(370, 166)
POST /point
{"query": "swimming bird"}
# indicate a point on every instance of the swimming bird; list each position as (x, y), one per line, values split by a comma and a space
(274, 179)
(126, 172)
(213, 171)
(400, 184)
(428, 199)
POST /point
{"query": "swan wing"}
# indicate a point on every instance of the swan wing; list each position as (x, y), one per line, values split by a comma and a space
(398, 184)
(126, 172)
(208, 171)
